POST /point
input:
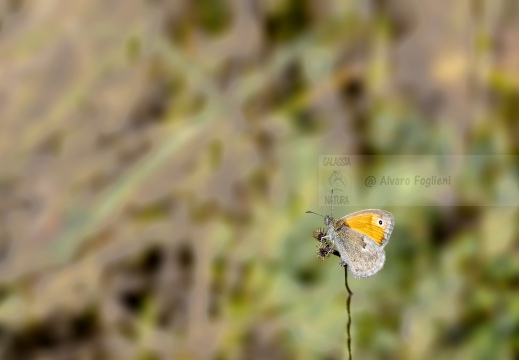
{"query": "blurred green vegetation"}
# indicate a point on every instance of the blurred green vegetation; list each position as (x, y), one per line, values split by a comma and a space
(159, 156)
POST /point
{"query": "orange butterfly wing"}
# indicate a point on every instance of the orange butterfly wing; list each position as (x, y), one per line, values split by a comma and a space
(367, 222)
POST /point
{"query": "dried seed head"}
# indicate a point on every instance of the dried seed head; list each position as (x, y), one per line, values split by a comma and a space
(318, 234)
(323, 251)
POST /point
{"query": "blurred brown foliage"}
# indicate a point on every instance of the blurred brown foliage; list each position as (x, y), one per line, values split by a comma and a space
(158, 157)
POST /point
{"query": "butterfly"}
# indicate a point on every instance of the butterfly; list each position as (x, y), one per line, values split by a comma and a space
(359, 238)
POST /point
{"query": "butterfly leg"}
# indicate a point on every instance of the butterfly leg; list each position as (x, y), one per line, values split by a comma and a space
(343, 263)
(328, 238)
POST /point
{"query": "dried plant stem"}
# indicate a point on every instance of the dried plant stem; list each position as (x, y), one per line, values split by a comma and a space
(324, 251)
(348, 302)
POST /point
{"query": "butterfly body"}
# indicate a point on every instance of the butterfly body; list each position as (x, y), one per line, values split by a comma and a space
(360, 239)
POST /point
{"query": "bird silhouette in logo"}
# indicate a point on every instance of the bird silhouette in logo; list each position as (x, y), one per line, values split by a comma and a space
(337, 180)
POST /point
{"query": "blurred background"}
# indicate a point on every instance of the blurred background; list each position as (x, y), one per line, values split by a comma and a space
(158, 158)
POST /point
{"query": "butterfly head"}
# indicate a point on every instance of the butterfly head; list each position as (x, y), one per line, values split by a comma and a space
(328, 220)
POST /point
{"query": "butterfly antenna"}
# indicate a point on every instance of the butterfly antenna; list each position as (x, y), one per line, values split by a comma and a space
(311, 212)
